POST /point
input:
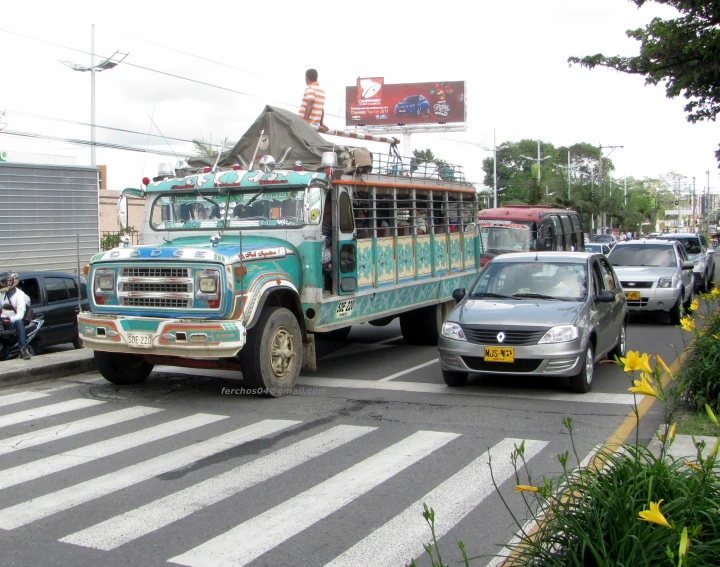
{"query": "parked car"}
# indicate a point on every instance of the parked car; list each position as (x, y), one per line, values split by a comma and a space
(654, 234)
(54, 296)
(608, 239)
(656, 275)
(413, 105)
(536, 314)
(697, 250)
(597, 248)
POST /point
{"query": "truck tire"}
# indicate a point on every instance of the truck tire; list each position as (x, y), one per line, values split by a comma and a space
(272, 355)
(122, 368)
(422, 326)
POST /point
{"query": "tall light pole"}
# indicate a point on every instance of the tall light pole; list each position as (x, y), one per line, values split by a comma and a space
(104, 65)
(600, 179)
(495, 151)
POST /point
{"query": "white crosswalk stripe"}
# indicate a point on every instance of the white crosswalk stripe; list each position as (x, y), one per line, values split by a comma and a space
(55, 463)
(20, 397)
(395, 542)
(251, 539)
(403, 536)
(34, 438)
(46, 411)
(155, 515)
(49, 504)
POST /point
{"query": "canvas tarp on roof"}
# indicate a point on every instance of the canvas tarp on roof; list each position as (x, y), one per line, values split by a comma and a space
(286, 137)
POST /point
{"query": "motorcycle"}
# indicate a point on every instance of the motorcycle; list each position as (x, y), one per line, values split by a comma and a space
(9, 347)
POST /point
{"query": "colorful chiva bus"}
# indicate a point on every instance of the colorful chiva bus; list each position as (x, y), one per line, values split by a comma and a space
(241, 269)
(523, 228)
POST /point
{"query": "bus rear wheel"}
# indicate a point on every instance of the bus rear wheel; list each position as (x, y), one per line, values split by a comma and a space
(272, 356)
(422, 326)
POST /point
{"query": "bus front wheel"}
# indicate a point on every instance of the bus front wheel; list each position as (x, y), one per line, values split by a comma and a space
(272, 356)
(121, 368)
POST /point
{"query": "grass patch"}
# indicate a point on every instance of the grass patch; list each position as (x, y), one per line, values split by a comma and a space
(697, 424)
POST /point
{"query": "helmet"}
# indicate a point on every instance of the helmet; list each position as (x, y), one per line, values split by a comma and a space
(8, 280)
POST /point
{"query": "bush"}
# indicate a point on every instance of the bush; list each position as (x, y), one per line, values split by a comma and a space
(701, 372)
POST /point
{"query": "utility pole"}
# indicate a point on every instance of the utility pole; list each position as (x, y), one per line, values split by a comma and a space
(694, 218)
(600, 179)
(104, 65)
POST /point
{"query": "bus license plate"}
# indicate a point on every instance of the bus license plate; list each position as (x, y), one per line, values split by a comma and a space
(499, 354)
(140, 340)
(632, 295)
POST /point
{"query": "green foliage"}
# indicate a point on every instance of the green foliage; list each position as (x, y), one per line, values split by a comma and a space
(110, 240)
(681, 52)
(702, 370)
(428, 157)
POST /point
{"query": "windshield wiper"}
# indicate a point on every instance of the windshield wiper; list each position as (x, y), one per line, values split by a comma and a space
(535, 296)
(493, 295)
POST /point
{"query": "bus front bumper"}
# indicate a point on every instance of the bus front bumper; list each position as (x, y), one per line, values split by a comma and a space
(165, 337)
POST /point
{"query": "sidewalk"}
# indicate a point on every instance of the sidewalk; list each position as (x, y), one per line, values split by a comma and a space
(45, 367)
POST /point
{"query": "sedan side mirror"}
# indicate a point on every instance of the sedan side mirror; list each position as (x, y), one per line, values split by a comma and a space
(605, 296)
(688, 265)
(458, 294)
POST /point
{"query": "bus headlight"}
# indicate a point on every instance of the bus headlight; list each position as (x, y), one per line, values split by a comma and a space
(208, 285)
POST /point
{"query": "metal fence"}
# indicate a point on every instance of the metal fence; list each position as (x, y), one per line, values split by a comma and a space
(110, 239)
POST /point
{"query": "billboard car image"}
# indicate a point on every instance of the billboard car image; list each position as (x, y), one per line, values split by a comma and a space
(372, 102)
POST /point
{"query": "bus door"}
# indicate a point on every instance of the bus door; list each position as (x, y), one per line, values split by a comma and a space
(345, 252)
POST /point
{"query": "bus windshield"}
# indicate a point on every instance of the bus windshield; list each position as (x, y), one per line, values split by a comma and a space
(245, 209)
(501, 239)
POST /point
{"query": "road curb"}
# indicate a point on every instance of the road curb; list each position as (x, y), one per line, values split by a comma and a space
(46, 367)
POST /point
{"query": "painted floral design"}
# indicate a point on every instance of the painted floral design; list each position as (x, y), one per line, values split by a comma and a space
(423, 256)
(385, 260)
(405, 258)
(364, 264)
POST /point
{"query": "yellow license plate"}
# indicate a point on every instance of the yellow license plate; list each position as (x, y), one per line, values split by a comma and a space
(499, 354)
(632, 295)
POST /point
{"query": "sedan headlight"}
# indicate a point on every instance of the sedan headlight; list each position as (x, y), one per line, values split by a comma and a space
(665, 282)
(453, 331)
(560, 334)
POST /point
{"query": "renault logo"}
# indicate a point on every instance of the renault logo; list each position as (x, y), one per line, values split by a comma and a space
(500, 337)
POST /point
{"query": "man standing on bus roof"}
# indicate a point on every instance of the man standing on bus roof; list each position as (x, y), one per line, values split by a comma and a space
(312, 109)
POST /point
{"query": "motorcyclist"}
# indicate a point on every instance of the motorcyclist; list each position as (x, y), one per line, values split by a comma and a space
(14, 304)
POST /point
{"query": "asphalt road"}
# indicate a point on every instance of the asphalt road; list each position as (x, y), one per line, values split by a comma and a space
(184, 469)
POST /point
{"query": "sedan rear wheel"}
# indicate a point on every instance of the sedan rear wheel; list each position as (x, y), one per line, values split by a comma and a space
(582, 382)
(676, 313)
(620, 348)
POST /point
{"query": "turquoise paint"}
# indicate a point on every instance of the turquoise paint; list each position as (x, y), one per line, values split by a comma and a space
(146, 325)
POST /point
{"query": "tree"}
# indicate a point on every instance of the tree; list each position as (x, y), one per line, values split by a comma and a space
(203, 149)
(682, 52)
(427, 157)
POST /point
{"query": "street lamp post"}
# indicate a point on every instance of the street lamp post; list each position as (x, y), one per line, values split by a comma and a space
(495, 151)
(104, 65)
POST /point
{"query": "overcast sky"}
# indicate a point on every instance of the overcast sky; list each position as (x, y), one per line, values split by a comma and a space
(511, 54)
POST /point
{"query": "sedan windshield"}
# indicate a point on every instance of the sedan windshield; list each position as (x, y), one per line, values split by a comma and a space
(550, 281)
(643, 255)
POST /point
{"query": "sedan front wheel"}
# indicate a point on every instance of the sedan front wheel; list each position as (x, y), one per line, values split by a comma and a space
(582, 382)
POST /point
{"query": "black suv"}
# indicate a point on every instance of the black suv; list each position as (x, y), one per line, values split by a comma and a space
(54, 295)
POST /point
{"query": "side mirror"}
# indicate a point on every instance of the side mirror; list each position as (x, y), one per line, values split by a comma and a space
(605, 296)
(458, 294)
(122, 212)
(688, 265)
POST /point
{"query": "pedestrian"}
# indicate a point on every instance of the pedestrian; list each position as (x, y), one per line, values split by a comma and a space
(14, 305)
(312, 109)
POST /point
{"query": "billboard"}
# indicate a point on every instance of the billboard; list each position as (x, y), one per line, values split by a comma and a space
(371, 102)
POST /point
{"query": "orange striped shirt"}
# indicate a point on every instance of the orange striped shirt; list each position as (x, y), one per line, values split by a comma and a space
(315, 97)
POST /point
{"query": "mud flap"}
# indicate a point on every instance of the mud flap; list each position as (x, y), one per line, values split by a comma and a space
(309, 362)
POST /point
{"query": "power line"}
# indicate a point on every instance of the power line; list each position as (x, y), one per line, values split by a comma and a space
(78, 123)
(79, 142)
(165, 73)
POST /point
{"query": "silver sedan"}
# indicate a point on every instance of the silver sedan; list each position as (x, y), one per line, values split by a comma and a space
(536, 314)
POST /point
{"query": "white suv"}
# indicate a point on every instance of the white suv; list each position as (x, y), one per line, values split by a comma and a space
(697, 250)
(656, 275)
